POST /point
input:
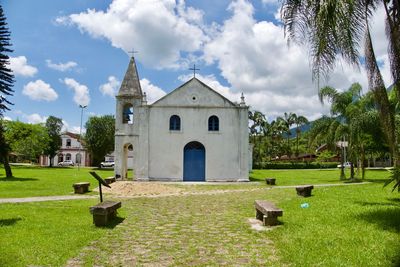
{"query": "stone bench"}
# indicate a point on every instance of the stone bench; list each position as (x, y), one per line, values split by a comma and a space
(109, 180)
(81, 188)
(270, 181)
(267, 212)
(305, 190)
(104, 212)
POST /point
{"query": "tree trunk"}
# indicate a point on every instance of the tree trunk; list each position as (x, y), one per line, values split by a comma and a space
(351, 171)
(342, 174)
(377, 86)
(7, 167)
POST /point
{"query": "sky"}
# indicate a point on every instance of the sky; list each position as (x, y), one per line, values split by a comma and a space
(75, 52)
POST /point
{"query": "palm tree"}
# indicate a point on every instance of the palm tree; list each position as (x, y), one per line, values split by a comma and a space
(344, 105)
(335, 29)
(287, 121)
(329, 130)
(299, 121)
(258, 121)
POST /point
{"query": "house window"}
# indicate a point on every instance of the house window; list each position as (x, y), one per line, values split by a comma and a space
(68, 156)
(68, 143)
(174, 123)
(213, 123)
(127, 114)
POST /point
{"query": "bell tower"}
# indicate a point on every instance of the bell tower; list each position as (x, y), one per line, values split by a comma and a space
(129, 101)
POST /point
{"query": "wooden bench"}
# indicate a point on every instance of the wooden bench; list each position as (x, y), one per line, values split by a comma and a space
(109, 180)
(305, 190)
(270, 181)
(267, 212)
(81, 188)
(104, 212)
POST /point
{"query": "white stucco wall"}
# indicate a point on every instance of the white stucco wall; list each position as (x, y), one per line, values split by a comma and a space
(158, 152)
(167, 147)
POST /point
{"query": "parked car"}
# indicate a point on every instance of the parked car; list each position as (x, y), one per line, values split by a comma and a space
(107, 164)
(66, 163)
(346, 165)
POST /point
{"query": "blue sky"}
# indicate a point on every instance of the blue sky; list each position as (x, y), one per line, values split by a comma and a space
(71, 52)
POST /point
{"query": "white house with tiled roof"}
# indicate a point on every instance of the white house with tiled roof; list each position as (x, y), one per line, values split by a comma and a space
(71, 149)
(191, 134)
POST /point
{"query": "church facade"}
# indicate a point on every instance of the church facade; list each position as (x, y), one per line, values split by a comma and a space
(191, 134)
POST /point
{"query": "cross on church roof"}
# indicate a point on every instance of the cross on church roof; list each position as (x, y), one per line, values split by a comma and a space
(132, 52)
(194, 70)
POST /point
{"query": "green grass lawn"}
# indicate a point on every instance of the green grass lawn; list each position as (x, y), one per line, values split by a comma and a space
(352, 225)
(356, 225)
(45, 233)
(312, 176)
(29, 181)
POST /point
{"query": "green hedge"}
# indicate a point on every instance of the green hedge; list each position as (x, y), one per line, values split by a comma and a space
(294, 165)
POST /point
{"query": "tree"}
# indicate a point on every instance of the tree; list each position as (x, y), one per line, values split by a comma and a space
(299, 121)
(328, 130)
(99, 137)
(6, 83)
(29, 140)
(335, 29)
(258, 122)
(6, 75)
(4, 150)
(287, 121)
(53, 127)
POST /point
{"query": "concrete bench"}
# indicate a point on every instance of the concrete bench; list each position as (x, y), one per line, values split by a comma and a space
(109, 180)
(270, 181)
(81, 188)
(267, 212)
(304, 191)
(104, 212)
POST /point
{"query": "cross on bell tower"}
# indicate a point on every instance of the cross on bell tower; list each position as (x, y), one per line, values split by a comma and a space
(132, 52)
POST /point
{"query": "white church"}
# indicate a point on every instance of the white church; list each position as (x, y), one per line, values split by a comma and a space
(191, 134)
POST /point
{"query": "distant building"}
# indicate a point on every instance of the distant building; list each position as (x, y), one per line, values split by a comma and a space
(71, 149)
(191, 134)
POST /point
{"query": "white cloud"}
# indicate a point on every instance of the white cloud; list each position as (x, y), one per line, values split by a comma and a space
(81, 92)
(20, 67)
(159, 30)
(35, 118)
(65, 126)
(39, 90)
(61, 66)
(153, 92)
(77, 130)
(270, 103)
(253, 57)
(110, 88)
(7, 118)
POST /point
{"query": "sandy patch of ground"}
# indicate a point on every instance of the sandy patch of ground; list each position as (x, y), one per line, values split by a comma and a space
(131, 189)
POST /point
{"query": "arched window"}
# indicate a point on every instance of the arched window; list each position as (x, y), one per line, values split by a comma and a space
(213, 123)
(68, 144)
(127, 114)
(68, 156)
(174, 123)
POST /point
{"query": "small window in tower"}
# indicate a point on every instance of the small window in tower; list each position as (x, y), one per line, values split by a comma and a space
(174, 123)
(127, 114)
(213, 123)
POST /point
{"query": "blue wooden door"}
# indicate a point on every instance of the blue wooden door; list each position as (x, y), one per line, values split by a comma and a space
(194, 162)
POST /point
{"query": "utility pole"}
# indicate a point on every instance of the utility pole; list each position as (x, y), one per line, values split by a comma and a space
(80, 137)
